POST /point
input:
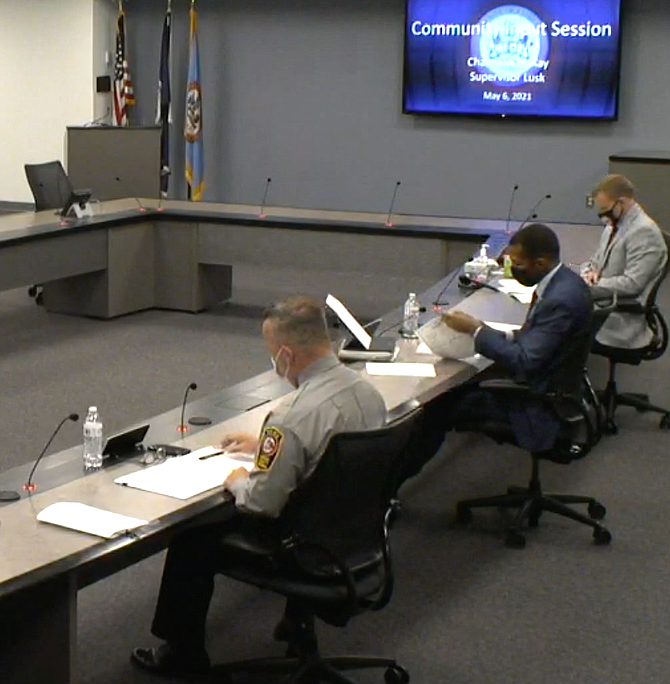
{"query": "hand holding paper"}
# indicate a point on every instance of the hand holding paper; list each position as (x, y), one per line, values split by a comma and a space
(461, 322)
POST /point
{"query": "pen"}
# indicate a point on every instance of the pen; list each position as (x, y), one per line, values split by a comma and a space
(216, 453)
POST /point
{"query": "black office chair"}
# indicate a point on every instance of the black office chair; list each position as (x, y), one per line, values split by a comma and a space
(569, 398)
(51, 189)
(334, 560)
(611, 398)
(49, 184)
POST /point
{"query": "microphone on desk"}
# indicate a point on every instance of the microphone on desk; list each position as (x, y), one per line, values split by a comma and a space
(511, 205)
(261, 212)
(140, 206)
(465, 282)
(182, 427)
(29, 485)
(95, 122)
(194, 420)
(436, 302)
(532, 215)
(161, 196)
(395, 194)
(379, 333)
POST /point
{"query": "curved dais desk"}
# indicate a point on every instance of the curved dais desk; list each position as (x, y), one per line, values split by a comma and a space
(132, 255)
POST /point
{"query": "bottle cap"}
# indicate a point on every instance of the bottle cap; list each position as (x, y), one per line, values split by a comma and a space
(92, 409)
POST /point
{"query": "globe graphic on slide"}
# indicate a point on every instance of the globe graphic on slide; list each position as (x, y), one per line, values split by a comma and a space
(510, 44)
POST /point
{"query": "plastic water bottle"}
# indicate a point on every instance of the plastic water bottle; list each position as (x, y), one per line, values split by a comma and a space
(92, 440)
(411, 317)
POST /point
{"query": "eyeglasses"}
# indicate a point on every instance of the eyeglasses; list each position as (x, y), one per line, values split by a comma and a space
(154, 456)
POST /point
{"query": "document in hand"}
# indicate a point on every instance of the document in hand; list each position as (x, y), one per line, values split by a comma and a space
(187, 476)
(445, 342)
(78, 516)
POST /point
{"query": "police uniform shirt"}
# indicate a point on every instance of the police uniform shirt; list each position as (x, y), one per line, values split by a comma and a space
(330, 398)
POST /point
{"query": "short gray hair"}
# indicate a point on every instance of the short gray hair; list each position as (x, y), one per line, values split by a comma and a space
(299, 320)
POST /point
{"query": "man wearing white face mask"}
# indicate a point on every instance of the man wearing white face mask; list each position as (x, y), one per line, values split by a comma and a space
(628, 261)
(329, 398)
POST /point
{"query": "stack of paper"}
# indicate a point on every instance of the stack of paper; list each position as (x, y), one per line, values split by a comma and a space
(445, 342)
(187, 476)
(83, 518)
(449, 344)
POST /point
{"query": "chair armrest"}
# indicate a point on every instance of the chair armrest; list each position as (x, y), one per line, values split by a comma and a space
(506, 386)
(290, 546)
(607, 302)
(511, 389)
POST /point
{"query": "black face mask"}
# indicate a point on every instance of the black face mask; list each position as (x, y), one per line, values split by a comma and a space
(523, 278)
(609, 214)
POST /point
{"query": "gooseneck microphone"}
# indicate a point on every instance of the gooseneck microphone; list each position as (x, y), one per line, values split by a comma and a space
(400, 323)
(395, 194)
(261, 212)
(511, 205)
(437, 301)
(140, 206)
(467, 283)
(29, 485)
(182, 427)
(532, 215)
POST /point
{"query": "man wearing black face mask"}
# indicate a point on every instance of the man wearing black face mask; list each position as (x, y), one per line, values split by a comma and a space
(628, 261)
(561, 309)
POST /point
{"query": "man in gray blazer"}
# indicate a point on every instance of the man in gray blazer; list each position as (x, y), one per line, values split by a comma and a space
(628, 261)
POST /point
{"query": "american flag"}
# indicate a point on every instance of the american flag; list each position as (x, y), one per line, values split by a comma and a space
(123, 85)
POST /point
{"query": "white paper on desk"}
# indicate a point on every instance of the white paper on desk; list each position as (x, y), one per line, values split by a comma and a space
(185, 476)
(415, 370)
(83, 518)
(512, 287)
(445, 342)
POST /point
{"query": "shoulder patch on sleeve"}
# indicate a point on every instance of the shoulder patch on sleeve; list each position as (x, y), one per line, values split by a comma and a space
(269, 447)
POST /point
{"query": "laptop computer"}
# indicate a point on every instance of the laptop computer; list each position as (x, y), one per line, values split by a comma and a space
(125, 444)
(361, 346)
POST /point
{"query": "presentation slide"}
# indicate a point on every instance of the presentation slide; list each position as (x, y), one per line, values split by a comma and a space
(542, 58)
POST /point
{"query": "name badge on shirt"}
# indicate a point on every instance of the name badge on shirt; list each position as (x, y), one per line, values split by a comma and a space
(270, 445)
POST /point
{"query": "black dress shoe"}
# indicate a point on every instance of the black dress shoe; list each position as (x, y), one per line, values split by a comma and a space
(169, 661)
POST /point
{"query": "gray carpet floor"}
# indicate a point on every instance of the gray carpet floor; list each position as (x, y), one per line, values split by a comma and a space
(466, 609)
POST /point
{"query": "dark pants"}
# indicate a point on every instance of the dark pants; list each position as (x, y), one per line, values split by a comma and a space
(463, 406)
(194, 557)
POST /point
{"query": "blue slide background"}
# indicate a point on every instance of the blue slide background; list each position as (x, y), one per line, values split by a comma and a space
(581, 81)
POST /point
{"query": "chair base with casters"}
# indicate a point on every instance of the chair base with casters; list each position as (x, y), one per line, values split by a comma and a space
(611, 398)
(331, 560)
(532, 502)
(303, 664)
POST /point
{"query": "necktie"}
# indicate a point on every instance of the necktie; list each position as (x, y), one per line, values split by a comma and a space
(533, 301)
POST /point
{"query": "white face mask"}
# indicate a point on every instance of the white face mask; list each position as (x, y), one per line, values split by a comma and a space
(273, 361)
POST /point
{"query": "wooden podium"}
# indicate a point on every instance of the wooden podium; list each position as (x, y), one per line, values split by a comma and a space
(115, 162)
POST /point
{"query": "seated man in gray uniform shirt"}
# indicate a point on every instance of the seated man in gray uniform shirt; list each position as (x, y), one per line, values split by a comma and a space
(329, 399)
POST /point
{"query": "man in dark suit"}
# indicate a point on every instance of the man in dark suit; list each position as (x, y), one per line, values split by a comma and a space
(536, 354)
